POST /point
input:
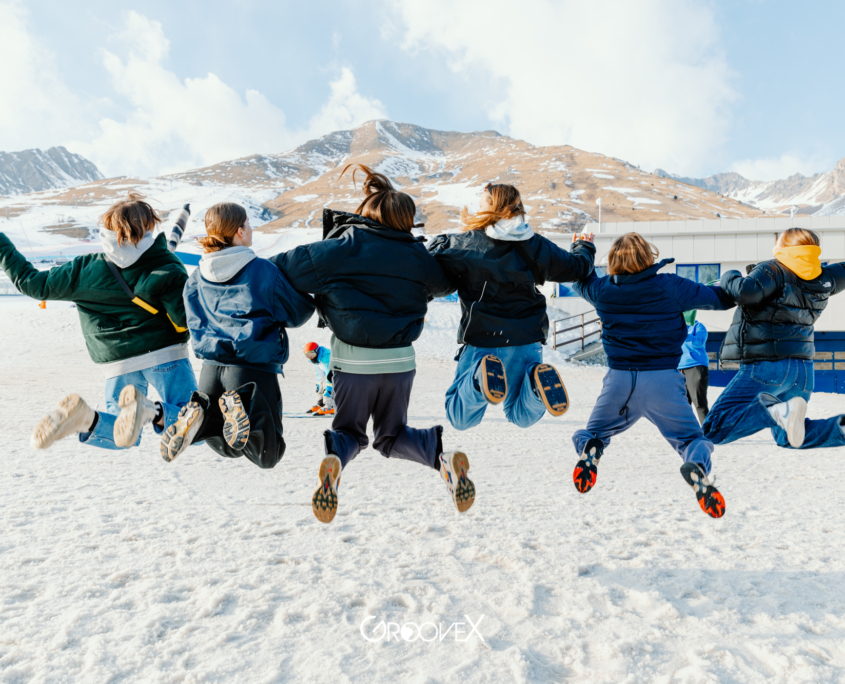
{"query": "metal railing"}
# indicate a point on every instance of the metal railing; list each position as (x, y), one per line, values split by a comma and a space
(582, 336)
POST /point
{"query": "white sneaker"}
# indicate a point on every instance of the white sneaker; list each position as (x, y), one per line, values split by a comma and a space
(790, 416)
(72, 416)
(178, 437)
(135, 412)
(453, 469)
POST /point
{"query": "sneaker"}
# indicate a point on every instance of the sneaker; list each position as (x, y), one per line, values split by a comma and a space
(548, 386)
(314, 408)
(236, 421)
(135, 411)
(324, 501)
(790, 416)
(178, 437)
(709, 498)
(72, 416)
(586, 470)
(490, 379)
(453, 469)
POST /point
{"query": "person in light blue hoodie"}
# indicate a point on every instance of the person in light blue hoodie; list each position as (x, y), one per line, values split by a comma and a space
(695, 365)
(238, 308)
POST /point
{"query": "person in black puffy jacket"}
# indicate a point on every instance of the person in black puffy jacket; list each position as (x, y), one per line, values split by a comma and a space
(496, 264)
(772, 337)
(372, 284)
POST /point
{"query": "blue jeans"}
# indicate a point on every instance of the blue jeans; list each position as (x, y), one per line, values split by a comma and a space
(174, 381)
(742, 408)
(659, 396)
(465, 405)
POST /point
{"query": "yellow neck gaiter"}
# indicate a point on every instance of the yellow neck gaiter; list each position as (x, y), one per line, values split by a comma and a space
(802, 260)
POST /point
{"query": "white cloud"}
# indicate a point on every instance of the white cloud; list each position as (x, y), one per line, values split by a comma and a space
(165, 124)
(645, 81)
(777, 168)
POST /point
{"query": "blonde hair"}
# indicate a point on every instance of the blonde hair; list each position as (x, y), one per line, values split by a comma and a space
(795, 237)
(382, 202)
(131, 218)
(222, 223)
(505, 203)
(630, 254)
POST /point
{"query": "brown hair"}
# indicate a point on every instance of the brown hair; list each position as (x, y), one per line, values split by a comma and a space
(131, 219)
(795, 237)
(382, 203)
(222, 222)
(506, 203)
(630, 254)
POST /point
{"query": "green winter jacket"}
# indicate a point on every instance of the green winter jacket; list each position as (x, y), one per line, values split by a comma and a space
(114, 327)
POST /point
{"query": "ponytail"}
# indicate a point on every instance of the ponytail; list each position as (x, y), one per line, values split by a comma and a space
(222, 223)
(382, 203)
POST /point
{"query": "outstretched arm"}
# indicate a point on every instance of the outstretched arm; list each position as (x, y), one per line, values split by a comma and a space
(560, 266)
(759, 286)
(292, 308)
(57, 284)
(298, 269)
(691, 295)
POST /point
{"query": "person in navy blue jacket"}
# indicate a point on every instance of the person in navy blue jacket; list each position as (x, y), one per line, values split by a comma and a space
(695, 365)
(238, 307)
(643, 330)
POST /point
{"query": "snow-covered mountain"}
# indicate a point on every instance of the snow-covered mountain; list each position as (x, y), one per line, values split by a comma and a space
(822, 194)
(36, 170)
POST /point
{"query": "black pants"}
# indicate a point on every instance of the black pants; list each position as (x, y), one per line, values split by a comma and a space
(384, 398)
(262, 400)
(697, 381)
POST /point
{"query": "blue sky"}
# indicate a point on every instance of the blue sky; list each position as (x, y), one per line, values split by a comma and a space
(692, 87)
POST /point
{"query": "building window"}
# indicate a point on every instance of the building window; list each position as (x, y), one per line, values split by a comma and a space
(700, 273)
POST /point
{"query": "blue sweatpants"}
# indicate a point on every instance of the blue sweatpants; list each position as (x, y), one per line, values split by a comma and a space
(465, 405)
(660, 397)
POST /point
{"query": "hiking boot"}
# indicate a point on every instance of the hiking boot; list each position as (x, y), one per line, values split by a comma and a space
(790, 416)
(709, 498)
(324, 501)
(490, 379)
(236, 421)
(72, 416)
(548, 386)
(586, 470)
(179, 436)
(135, 412)
(453, 469)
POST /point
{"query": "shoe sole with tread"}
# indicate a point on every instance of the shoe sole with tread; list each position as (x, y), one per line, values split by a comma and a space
(179, 436)
(551, 388)
(324, 501)
(236, 421)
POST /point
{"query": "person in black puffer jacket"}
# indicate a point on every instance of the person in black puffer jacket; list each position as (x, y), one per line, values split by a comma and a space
(372, 284)
(496, 263)
(772, 337)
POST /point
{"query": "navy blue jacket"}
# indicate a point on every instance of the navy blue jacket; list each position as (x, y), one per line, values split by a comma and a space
(372, 284)
(500, 305)
(643, 327)
(777, 312)
(241, 322)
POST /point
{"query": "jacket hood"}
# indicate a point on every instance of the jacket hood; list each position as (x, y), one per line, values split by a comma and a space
(218, 267)
(642, 275)
(123, 256)
(341, 220)
(802, 260)
(514, 229)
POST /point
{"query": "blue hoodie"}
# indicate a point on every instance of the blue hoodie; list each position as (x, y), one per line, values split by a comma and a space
(642, 319)
(238, 307)
(693, 351)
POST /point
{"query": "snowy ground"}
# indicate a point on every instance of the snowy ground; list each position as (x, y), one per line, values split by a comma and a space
(121, 567)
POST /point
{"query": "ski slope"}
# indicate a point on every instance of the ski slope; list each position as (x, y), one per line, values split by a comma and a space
(119, 567)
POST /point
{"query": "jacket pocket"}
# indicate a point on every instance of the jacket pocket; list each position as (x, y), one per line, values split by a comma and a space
(770, 373)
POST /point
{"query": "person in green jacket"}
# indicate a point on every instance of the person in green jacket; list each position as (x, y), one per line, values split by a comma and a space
(129, 299)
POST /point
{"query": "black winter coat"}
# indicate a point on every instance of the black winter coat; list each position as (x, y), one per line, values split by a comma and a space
(776, 311)
(372, 284)
(500, 305)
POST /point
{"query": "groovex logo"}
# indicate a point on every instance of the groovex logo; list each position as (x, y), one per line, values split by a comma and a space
(373, 629)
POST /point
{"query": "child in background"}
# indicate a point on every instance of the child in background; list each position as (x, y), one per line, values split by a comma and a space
(695, 365)
(321, 358)
(239, 307)
(129, 299)
(643, 330)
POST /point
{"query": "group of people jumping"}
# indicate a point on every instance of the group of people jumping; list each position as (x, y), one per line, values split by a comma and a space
(370, 280)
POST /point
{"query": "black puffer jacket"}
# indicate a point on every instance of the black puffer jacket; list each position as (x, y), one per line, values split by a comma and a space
(776, 311)
(372, 284)
(500, 306)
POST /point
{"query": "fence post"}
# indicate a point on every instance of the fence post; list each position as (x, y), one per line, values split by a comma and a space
(582, 332)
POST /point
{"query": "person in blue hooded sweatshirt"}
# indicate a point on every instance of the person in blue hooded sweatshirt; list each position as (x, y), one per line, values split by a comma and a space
(238, 308)
(643, 330)
(695, 365)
